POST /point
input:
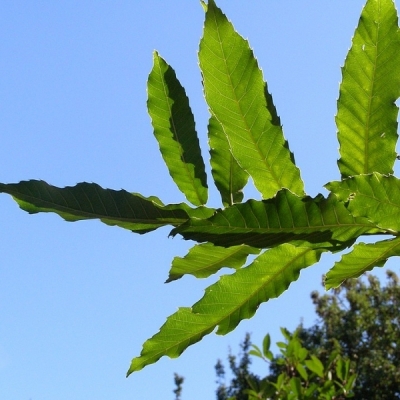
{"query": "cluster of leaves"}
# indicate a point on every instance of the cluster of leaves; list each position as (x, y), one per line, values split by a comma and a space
(363, 318)
(353, 351)
(178, 380)
(304, 376)
(286, 230)
(242, 376)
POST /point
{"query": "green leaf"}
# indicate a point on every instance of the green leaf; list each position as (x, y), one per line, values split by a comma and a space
(256, 351)
(302, 371)
(315, 365)
(229, 177)
(280, 381)
(364, 257)
(295, 385)
(238, 98)
(206, 259)
(367, 114)
(174, 129)
(204, 5)
(284, 218)
(350, 382)
(310, 390)
(286, 334)
(90, 201)
(374, 196)
(300, 352)
(340, 370)
(266, 344)
(282, 345)
(225, 303)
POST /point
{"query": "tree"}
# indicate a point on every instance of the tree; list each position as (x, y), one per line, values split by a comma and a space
(302, 375)
(363, 318)
(286, 230)
(355, 341)
(241, 374)
(178, 380)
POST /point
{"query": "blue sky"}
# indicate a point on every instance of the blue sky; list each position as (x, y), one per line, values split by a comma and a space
(77, 300)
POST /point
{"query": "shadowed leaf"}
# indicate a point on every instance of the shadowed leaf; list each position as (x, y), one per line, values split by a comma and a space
(90, 201)
(284, 218)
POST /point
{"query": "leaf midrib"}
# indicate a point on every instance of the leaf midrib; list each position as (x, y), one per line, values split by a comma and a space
(47, 205)
(247, 128)
(367, 128)
(203, 332)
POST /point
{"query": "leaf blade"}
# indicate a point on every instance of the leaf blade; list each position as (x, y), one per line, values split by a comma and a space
(363, 258)
(228, 176)
(237, 96)
(174, 129)
(372, 196)
(284, 218)
(225, 303)
(90, 201)
(206, 259)
(367, 114)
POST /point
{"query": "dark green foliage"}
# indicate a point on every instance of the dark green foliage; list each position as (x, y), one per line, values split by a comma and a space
(363, 318)
(298, 374)
(178, 380)
(240, 371)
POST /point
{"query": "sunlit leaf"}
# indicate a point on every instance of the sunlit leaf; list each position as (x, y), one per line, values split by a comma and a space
(227, 302)
(362, 258)
(367, 114)
(237, 96)
(374, 196)
(228, 176)
(206, 259)
(315, 365)
(266, 344)
(174, 128)
(295, 384)
(302, 371)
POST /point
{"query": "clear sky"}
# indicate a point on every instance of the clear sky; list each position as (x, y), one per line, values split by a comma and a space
(77, 300)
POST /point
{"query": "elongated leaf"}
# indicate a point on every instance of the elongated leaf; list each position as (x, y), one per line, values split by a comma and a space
(206, 259)
(363, 258)
(374, 196)
(302, 371)
(282, 219)
(90, 201)
(315, 365)
(227, 302)
(228, 176)
(266, 344)
(174, 128)
(367, 114)
(237, 96)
